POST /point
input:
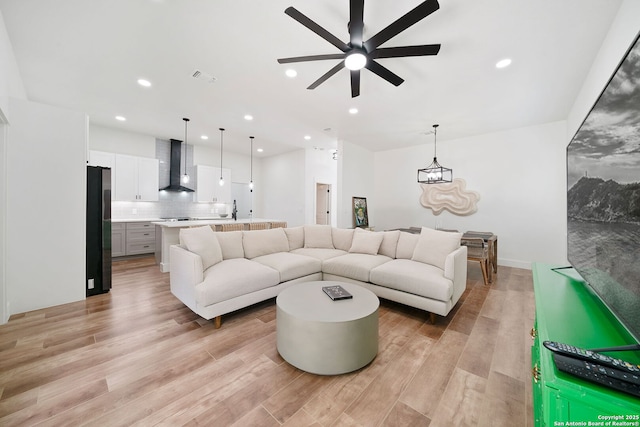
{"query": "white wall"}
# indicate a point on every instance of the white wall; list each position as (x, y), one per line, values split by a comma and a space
(519, 174)
(283, 188)
(356, 176)
(118, 141)
(46, 169)
(10, 81)
(623, 32)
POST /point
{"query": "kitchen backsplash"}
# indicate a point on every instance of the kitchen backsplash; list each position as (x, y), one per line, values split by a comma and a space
(170, 205)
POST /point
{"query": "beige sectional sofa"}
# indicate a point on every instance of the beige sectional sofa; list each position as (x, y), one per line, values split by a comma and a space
(217, 273)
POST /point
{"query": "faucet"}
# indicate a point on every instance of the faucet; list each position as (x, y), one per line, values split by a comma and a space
(234, 212)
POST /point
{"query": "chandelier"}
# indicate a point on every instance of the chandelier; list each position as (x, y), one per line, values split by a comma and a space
(435, 173)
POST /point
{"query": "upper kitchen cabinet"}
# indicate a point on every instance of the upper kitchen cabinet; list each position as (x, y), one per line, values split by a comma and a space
(101, 158)
(136, 178)
(209, 189)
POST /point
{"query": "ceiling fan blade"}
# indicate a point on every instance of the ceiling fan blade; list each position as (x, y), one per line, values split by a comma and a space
(307, 22)
(355, 83)
(384, 72)
(310, 58)
(416, 14)
(356, 22)
(402, 51)
(326, 75)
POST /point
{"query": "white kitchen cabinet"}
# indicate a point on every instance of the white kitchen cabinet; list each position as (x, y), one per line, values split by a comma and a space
(136, 178)
(209, 189)
(101, 158)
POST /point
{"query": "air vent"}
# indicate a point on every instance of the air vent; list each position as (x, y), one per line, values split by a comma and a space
(201, 75)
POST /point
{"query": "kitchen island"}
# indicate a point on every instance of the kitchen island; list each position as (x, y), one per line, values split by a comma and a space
(168, 233)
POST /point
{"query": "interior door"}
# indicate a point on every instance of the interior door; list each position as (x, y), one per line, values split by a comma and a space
(323, 204)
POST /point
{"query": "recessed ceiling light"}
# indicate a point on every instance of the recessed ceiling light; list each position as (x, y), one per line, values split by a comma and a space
(503, 63)
(144, 82)
(291, 73)
(204, 137)
(353, 110)
(121, 118)
(248, 117)
(259, 150)
(307, 137)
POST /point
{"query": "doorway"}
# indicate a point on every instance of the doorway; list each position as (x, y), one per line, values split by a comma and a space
(323, 204)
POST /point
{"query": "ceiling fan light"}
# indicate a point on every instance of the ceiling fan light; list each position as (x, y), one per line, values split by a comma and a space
(355, 61)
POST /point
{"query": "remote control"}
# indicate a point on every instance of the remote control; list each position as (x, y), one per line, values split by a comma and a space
(599, 374)
(594, 357)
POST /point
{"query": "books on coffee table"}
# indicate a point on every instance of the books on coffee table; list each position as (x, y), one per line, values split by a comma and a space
(336, 292)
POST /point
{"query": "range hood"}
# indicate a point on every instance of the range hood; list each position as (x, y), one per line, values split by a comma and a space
(174, 168)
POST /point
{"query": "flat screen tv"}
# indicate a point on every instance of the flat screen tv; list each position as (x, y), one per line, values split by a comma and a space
(603, 194)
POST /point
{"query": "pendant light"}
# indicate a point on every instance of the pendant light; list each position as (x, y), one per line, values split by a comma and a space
(185, 177)
(251, 166)
(435, 173)
(221, 146)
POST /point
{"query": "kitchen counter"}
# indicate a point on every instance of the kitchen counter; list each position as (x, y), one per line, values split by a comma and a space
(208, 221)
(136, 219)
(168, 233)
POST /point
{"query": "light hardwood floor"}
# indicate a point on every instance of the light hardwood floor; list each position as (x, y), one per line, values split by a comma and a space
(137, 356)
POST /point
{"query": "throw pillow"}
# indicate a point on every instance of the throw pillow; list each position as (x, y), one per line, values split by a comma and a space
(342, 238)
(231, 244)
(389, 243)
(406, 245)
(202, 241)
(295, 235)
(318, 236)
(264, 242)
(434, 246)
(366, 242)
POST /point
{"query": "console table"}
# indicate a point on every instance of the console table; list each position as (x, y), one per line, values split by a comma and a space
(567, 312)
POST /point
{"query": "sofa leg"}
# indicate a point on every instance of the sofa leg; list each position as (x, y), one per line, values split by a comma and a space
(217, 322)
(432, 318)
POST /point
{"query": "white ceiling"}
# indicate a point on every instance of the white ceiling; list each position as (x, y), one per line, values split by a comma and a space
(87, 55)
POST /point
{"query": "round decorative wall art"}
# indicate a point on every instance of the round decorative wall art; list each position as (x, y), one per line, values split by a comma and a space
(453, 197)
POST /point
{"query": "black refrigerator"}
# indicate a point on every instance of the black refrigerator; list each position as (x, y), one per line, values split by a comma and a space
(98, 230)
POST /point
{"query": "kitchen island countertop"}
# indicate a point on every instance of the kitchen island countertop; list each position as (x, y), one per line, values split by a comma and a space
(209, 221)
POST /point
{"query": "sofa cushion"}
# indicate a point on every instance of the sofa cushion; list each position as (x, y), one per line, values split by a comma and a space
(202, 241)
(353, 266)
(342, 238)
(295, 235)
(232, 278)
(318, 236)
(319, 253)
(389, 243)
(366, 242)
(231, 244)
(434, 246)
(290, 266)
(264, 242)
(413, 277)
(406, 245)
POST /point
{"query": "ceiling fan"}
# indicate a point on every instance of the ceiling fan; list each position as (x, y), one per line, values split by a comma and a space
(358, 54)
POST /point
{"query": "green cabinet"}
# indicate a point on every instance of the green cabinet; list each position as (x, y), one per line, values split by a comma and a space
(567, 311)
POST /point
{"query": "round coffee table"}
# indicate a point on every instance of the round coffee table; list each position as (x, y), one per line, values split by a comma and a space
(326, 337)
